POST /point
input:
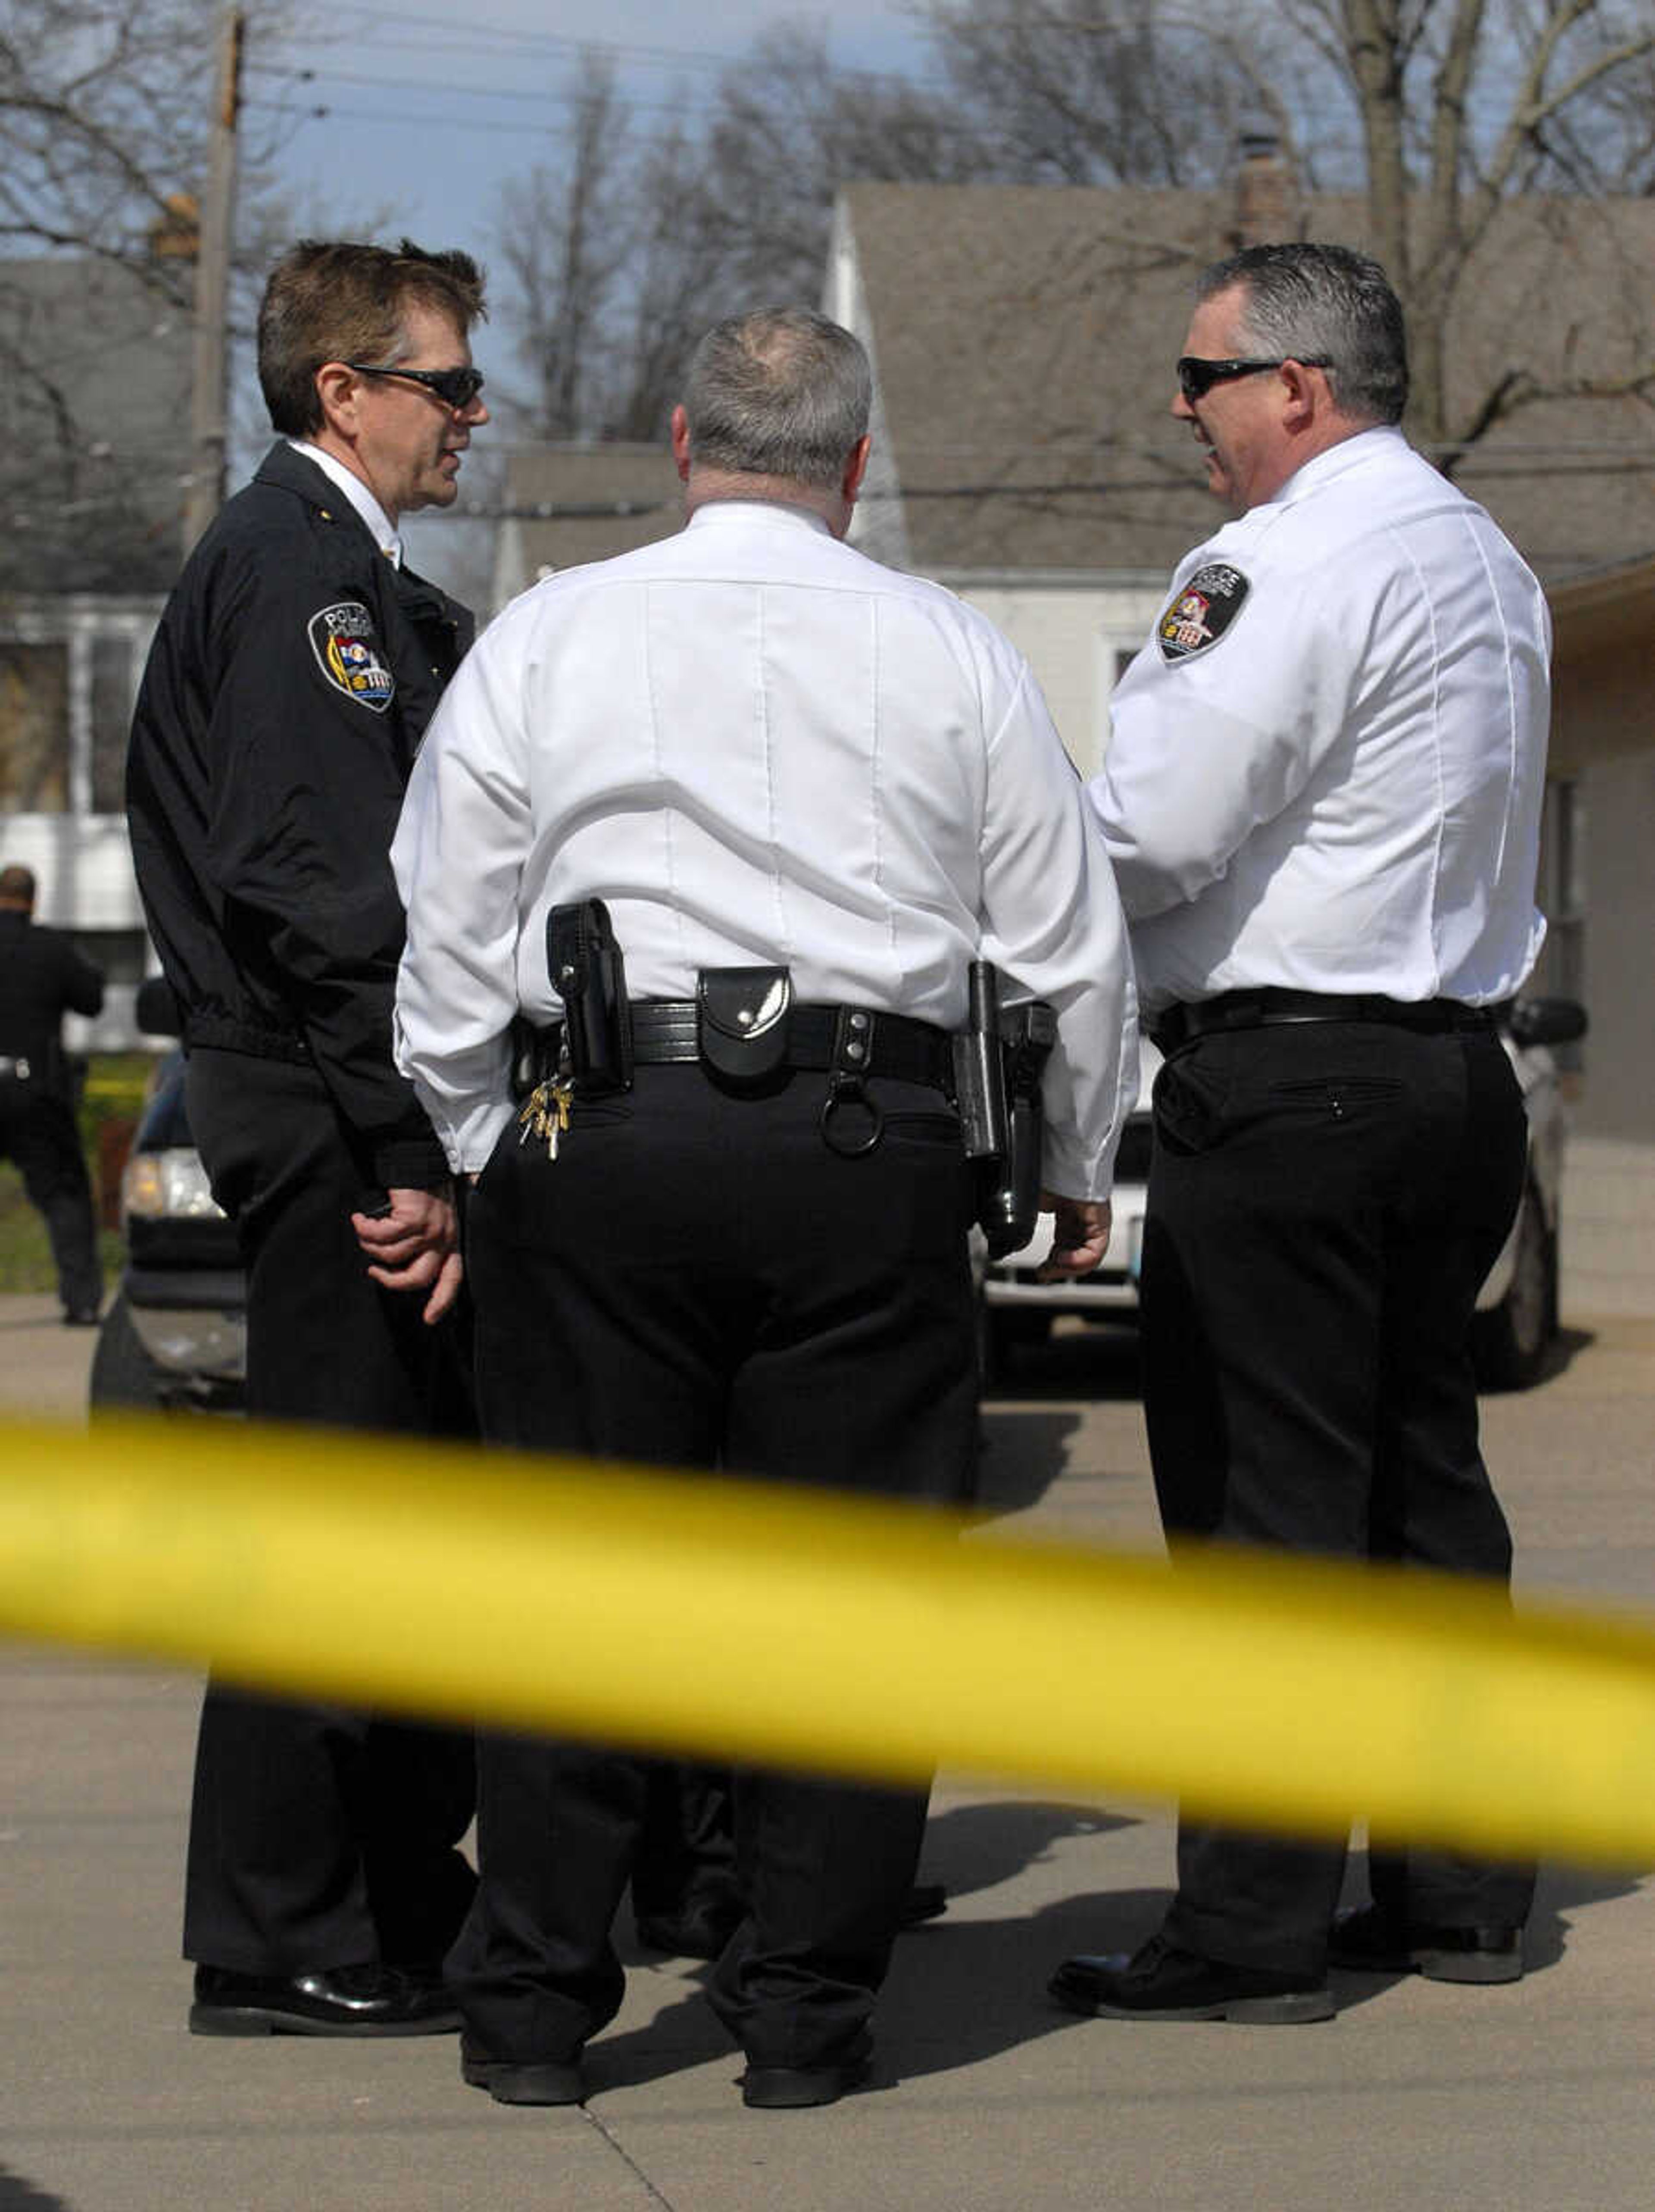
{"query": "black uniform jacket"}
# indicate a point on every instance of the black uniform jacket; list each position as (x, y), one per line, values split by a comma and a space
(42, 976)
(288, 686)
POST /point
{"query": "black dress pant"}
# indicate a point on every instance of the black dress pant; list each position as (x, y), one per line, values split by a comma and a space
(1325, 1202)
(39, 1136)
(319, 1836)
(685, 1861)
(697, 1281)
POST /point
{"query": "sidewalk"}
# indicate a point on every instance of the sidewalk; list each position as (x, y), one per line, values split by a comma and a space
(1419, 2096)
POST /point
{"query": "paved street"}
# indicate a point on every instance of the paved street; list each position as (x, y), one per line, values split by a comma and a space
(1419, 2096)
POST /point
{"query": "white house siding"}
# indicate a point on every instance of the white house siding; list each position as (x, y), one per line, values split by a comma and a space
(78, 851)
(1073, 631)
(1609, 1217)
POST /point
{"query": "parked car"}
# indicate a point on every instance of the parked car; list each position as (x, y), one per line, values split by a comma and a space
(175, 1332)
(1517, 1307)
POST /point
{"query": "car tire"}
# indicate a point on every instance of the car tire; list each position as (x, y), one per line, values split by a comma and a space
(123, 1379)
(1509, 1343)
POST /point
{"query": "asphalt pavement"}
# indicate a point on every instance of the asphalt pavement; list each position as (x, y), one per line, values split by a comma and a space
(1419, 2095)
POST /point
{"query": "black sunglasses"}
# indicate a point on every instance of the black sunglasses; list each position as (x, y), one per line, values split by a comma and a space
(1195, 377)
(455, 387)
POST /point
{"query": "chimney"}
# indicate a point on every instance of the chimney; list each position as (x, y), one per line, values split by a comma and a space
(1263, 191)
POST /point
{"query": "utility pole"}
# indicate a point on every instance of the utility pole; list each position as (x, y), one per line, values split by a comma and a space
(209, 399)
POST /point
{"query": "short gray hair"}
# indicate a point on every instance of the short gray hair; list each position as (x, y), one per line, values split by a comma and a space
(780, 392)
(1327, 300)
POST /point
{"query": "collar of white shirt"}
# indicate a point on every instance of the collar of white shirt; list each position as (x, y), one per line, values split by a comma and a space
(383, 529)
(716, 511)
(1352, 452)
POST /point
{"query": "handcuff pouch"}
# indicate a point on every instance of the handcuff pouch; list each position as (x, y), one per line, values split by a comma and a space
(742, 1022)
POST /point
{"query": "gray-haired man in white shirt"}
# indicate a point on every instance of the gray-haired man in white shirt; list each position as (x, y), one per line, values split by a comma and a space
(764, 753)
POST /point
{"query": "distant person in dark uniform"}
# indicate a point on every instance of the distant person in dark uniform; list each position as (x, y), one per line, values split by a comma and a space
(294, 670)
(42, 977)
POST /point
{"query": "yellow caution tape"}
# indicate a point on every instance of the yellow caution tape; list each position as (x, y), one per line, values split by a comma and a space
(781, 1625)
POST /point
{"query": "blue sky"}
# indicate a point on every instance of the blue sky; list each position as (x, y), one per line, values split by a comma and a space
(428, 112)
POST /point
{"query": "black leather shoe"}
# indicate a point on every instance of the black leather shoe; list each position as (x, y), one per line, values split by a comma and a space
(522, 2082)
(80, 1317)
(790, 2088)
(369, 2000)
(1368, 1941)
(926, 1900)
(1160, 1982)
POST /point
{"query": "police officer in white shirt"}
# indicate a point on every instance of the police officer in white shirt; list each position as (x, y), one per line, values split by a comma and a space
(1322, 798)
(779, 763)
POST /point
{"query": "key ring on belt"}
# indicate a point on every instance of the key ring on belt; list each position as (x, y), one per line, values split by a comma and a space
(848, 1091)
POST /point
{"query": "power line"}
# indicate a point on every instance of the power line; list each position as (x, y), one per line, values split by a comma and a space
(637, 54)
(558, 47)
(449, 90)
(553, 41)
(326, 112)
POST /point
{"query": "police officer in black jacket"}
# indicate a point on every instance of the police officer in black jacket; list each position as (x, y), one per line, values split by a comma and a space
(41, 977)
(294, 672)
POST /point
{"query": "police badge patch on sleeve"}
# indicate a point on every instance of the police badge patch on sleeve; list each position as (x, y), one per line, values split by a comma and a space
(349, 655)
(1204, 610)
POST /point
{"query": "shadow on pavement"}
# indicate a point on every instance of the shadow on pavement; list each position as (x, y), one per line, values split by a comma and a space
(1559, 1889)
(1566, 1348)
(1560, 1355)
(976, 1847)
(962, 1990)
(1023, 1454)
(18, 2195)
(1083, 1360)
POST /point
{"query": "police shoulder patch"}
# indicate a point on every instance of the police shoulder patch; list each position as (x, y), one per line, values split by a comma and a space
(1202, 611)
(349, 655)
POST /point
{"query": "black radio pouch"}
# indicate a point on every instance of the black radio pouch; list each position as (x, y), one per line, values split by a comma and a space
(742, 1022)
(589, 975)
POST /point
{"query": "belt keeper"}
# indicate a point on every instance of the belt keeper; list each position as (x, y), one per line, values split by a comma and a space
(853, 1041)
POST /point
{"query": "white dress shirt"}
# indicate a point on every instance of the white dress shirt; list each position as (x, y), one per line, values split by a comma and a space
(359, 495)
(1341, 790)
(757, 746)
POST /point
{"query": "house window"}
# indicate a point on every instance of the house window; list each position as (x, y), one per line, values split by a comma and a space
(33, 727)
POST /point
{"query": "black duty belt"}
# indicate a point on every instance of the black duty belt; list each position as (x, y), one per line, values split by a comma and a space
(872, 1043)
(1270, 1007)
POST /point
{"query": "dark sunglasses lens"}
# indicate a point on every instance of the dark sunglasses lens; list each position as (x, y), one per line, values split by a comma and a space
(1195, 378)
(458, 386)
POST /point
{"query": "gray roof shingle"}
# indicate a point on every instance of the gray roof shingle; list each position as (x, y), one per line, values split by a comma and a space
(1024, 337)
(600, 500)
(93, 472)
